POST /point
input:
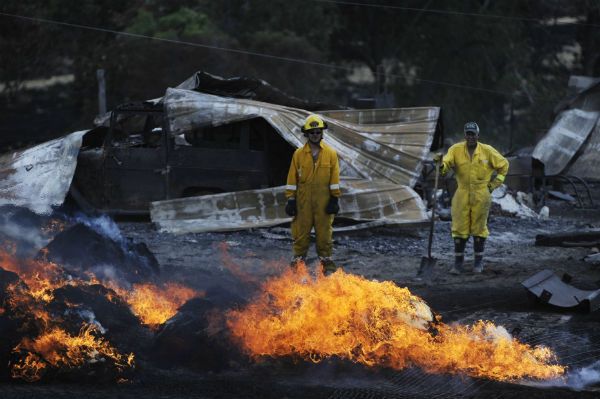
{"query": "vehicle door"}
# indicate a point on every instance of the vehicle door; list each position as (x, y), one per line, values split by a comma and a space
(135, 162)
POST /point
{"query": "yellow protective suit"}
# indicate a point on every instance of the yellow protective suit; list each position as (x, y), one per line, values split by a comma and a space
(472, 199)
(312, 183)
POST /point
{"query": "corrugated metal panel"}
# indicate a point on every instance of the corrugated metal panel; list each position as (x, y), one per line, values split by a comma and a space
(39, 177)
(361, 200)
(374, 144)
(586, 165)
(407, 130)
(568, 133)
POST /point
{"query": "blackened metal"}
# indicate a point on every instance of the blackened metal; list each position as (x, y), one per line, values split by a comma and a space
(550, 289)
(249, 88)
(139, 148)
(545, 296)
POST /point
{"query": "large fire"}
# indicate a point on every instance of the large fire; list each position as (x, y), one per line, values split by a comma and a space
(377, 324)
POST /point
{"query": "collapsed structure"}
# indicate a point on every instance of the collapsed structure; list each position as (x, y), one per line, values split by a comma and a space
(568, 153)
(209, 162)
(571, 145)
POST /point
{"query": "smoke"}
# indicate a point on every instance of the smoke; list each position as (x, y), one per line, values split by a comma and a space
(30, 238)
(102, 225)
(27, 229)
(88, 316)
(23, 228)
(577, 379)
(106, 272)
(584, 377)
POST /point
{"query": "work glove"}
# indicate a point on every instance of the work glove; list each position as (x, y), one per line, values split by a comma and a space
(438, 157)
(290, 207)
(494, 184)
(332, 207)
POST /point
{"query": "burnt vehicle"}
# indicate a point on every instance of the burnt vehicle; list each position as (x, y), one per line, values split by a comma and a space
(133, 160)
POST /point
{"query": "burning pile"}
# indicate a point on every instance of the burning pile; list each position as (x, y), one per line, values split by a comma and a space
(377, 324)
(55, 348)
(54, 323)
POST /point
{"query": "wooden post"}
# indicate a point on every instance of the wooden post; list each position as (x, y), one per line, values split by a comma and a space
(101, 91)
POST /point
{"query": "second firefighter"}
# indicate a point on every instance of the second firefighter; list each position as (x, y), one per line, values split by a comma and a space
(474, 165)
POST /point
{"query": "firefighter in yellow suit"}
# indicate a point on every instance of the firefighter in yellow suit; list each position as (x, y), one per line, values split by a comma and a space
(474, 164)
(312, 190)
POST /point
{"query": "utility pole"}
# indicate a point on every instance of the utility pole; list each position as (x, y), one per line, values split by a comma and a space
(511, 123)
(101, 91)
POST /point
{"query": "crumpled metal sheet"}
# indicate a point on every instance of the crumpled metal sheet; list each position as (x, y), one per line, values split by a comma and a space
(248, 88)
(39, 177)
(406, 130)
(586, 164)
(566, 136)
(551, 289)
(376, 201)
(388, 144)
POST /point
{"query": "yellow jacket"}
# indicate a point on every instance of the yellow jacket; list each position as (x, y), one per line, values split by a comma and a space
(472, 199)
(475, 172)
(324, 175)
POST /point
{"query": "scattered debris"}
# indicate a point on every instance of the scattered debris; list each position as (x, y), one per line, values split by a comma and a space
(561, 196)
(544, 213)
(569, 239)
(518, 207)
(594, 259)
(548, 288)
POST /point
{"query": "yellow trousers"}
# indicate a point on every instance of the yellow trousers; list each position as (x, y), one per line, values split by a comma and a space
(311, 213)
(470, 210)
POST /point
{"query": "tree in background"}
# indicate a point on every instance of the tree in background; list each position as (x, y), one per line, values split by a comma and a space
(36, 50)
(296, 30)
(588, 36)
(504, 64)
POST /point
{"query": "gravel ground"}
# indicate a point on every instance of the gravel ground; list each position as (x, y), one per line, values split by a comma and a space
(389, 253)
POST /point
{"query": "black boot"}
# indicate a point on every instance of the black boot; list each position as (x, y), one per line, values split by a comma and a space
(459, 255)
(328, 265)
(478, 247)
(296, 260)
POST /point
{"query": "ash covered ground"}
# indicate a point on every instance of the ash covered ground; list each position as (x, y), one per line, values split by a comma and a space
(220, 261)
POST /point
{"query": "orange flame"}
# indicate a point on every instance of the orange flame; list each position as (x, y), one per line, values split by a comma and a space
(151, 303)
(59, 349)
(377, 324)
(154, 304)
(54, 347)
(41, 277)
(23, 303)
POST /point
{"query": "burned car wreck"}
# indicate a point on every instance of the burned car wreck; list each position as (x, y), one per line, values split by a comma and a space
(136, 147)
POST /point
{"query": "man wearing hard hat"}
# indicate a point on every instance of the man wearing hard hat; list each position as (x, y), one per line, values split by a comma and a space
(312, 190)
